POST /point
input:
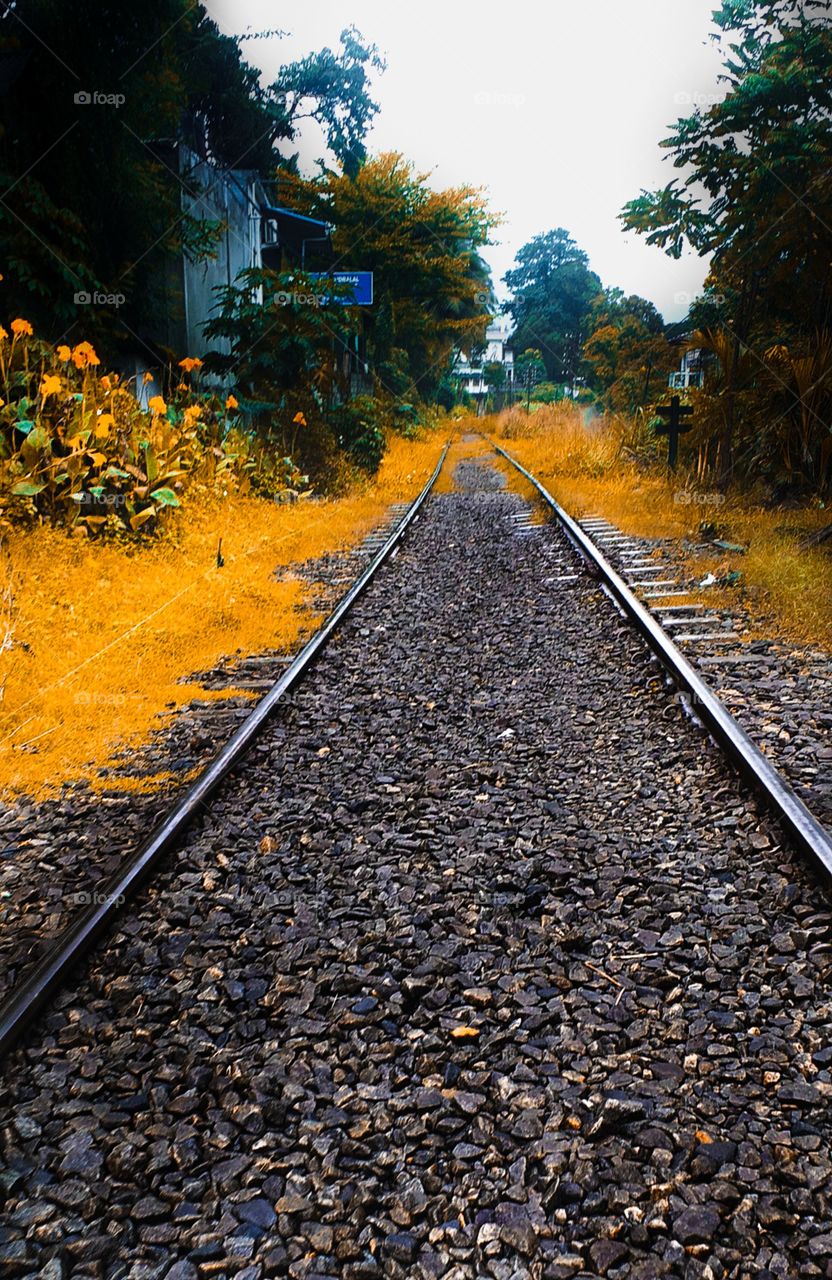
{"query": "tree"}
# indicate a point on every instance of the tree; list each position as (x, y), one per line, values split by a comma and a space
(756, 190)
(431, 287)
(627, 353)
(333, 89)
(91, 186)
(553, 289)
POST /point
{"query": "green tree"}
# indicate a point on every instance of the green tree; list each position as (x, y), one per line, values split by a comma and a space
(553, 290)
(755, 190)
(431, 287)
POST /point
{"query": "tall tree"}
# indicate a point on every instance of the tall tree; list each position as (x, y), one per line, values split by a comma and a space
(756, 186)
(552, 293)
(431, 287)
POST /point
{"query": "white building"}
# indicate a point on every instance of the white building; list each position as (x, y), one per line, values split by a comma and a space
(471, 373)
(690, 372)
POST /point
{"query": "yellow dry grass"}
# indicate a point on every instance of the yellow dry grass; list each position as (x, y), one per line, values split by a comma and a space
(104, 637)
(585, 467)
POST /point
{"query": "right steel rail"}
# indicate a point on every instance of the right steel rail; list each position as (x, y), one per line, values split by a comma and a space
(798, 821)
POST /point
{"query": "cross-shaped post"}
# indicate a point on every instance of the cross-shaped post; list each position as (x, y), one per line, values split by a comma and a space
(674, 412)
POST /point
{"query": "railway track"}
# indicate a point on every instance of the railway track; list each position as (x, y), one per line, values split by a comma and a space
(654, 627)
(484, 965)
(109, 897)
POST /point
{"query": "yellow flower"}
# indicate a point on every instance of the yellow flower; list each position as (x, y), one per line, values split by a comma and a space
(190, 363)
(3, 334)
(147, 377)
(83, 355)
(157, 404)
(64, 352)
(299, 419)
(103, 423)
(192, 412)
(105, 382)
(20, 327)
(231, 403)
(51, 386)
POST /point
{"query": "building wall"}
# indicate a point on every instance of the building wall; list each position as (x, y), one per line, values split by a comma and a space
(229, 196)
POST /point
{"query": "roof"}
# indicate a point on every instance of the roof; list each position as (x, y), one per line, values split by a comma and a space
(296, 221)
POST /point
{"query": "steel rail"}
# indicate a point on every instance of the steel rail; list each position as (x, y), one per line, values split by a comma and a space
(24, 1002)
(801, 824)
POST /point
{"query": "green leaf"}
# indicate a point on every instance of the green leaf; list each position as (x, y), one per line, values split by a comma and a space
(166, 497)
(151, 466)
(25, 425)
(28, 489)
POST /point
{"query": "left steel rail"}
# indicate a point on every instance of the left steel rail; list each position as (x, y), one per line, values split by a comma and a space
(71, 946)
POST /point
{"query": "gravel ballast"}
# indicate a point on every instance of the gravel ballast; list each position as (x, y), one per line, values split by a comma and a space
(481, 965)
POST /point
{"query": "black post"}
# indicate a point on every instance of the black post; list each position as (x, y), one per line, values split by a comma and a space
(674, 412)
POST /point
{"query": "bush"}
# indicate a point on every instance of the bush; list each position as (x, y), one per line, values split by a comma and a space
(78, 449)
(358, 428)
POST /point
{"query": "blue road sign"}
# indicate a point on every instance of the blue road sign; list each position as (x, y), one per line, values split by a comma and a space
(361, 282)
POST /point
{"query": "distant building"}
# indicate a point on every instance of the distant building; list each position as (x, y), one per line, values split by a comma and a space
(471, 373)
(691, 372)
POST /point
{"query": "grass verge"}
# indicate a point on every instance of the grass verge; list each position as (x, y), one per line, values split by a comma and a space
(100, 638)
(589, 469)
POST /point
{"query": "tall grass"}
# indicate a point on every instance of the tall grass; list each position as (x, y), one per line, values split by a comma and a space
(103, 635)
(614, 467)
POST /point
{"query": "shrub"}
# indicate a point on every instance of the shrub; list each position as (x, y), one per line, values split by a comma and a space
(358, 428)
(78, 449)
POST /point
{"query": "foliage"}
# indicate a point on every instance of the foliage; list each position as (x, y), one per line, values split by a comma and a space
(553, 290)
(78, 449)
(106, 635)
(495, 374)
(755, 192)
(280, 338)
(530, 369)
(92, 192)
(333, 89)
(627, 355)
(431, 287)
(358, 428)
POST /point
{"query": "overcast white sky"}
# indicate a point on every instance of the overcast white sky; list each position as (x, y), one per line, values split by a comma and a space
(555, 108)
